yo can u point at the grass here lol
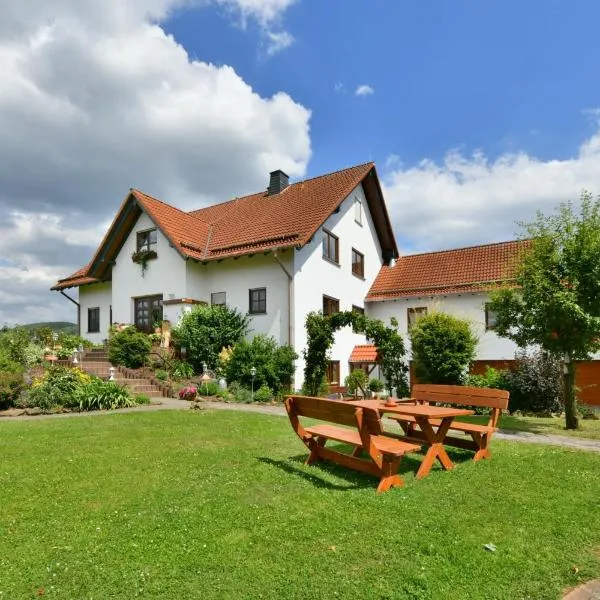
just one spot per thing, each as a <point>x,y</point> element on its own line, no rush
<point>215,504</point>
<point>588,428</point>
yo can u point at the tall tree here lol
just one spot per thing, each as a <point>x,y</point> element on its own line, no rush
<point>556,303</point>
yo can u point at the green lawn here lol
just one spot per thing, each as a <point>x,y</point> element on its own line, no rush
<point>215,504</point>
<point>551,425</point>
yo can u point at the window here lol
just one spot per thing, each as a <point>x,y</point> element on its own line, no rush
<point>358,211</point>
<point>358,263</point>
<point>93,320</point>
<point>490,317</point>
<point>333,372</point>
<point>146,240</point>
<point>330,306</point>
<point>218,299</point>
<point>331,247</point>
<point>413,314</point>
<point>358,309</point>
<point>148,312</point>
<point>258,301</point>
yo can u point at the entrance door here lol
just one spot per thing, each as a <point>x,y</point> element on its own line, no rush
<point>148,312</point>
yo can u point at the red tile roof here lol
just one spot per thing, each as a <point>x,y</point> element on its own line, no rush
<point>246,225</point>
<point>448,271</point>
<point>364,353</point>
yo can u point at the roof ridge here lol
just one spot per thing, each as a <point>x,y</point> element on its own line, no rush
<point>299,182</point>
<point>462,248</point>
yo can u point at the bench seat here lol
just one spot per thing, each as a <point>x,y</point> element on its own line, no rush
<point>455,395</point>
<point>384,444</point>
<point>374,452</point>
<point>456,425</point>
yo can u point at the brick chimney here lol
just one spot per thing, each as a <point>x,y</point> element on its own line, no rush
<point>279,181</point>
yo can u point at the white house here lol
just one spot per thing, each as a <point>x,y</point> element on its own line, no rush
<point>313,245</point>
<point>457,282</point>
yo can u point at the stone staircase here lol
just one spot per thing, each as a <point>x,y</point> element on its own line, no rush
<point>95,362</point>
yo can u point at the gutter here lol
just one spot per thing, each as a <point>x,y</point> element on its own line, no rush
<point>78,310</point>
<point>291,340</point>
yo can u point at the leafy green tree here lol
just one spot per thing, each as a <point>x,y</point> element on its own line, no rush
<point>206,330</point>
<point>556,303</point>
<point>273,364</point>
<point>443,346</point>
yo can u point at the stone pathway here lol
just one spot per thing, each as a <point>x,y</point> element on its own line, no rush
<point>588,591</point>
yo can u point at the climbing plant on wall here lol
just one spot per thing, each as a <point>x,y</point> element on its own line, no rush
<point>320,331</point>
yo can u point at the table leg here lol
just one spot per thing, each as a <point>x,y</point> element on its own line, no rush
<point>435,441</point>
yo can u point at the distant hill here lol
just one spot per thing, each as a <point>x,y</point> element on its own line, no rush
<point>58,326</point>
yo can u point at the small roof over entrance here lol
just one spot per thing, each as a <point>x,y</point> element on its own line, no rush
<point>364,354</point>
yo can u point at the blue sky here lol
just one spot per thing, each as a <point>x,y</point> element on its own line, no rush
<point>499,76</point>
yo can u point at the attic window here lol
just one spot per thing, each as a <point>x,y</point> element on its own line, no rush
<point>147,240</point>
<point>358,211</point>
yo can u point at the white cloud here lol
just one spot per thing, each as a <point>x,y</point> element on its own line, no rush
<point>339,88</point>
<point>364,90</point>
<point>96,98</point>
<point>278,41</point>
<point>267,13</point>
<point>471,199</point>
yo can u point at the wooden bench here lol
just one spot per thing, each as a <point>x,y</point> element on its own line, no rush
<point>495,400</point>
<point>363,431</point>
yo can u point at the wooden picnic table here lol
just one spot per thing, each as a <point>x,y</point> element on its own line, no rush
<point>423,415</point>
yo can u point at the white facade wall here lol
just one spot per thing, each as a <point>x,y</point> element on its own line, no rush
<point>470,306</point>
<point>96,295</point>
<point>165,275</point>
<point>314,277</point>
<point>236,277</point>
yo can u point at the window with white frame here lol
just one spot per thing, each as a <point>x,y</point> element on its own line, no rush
<point>358,216</point>
<point>218,299</point>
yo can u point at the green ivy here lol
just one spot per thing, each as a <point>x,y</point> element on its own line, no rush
<point>320,331</point>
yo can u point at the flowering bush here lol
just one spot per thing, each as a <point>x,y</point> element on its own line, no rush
<point>188,393</point>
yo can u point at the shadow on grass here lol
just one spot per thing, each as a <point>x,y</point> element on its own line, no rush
<point>356,480</point>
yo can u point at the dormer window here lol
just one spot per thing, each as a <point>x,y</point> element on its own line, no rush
<point>147,240</point>
<point>358,211</point>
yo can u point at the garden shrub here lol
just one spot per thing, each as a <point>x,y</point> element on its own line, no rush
<point>357,381</point>
<point>492,378</point>
<point>376,385</point>
<point>161,374</point>
<point>11,382</point>
<point>443,346</point>
<point>535,385</point>
<point>208,389</point>
<point>58,386</point>
<point>181,369</point>
<point>274,364</point>
<point>206,330</point>
<point>142,399</point>
<point>263,394</point>
<point>102,395</point>
<point>129,348</point>
<point>69,344</point>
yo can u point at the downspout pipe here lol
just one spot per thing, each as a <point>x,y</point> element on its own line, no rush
<point>291,340</point>
<point>78,309</point>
